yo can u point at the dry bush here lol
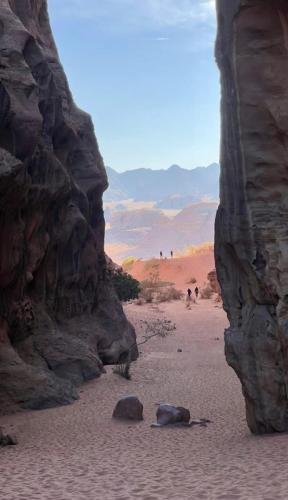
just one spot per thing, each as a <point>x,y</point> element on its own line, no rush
<point>140,301</point>
<point>123,370</point>
<point>155,328</point>
<point>147,294</point>
<point>151,329</point>
<point>206,292</point>
<point>168,294</point>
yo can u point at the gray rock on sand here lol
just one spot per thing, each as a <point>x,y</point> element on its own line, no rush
<point>168,414</point>
<point>129,408</point>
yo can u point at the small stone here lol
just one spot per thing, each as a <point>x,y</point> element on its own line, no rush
<point>179,350</point>
<point>129,408</point>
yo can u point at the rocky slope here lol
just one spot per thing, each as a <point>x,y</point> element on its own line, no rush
<point>251,226</point>
<point>59,318</point>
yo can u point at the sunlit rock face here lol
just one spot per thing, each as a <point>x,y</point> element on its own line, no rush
<point>59,318</point>
<point>251,226</point>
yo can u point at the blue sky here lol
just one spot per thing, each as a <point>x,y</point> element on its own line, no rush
<point>145,71</point>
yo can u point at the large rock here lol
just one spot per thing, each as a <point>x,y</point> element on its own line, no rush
<point>128,408</point>
<point>168,415</point>
<point>59,317</point>
<point>251,225</point>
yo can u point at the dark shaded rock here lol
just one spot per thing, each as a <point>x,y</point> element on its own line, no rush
<point>251,226</point>
<point>7,439</point>
<point>169,414</point>
<point>179,350</point>
<point>129,408</point>
<point>60,319</point>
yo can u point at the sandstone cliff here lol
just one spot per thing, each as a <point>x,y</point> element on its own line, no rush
<point>251,226</point>
<point>60,320</point>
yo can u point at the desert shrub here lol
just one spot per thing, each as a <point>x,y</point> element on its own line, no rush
<point>140,301</point>
<point>206,292</point>
<point>123,370</point>
<point>128,263</point>
<point>150,329</point>
<point>127,287</point>
<point>147,294</point>
<point>168,294</point>
<point>155,328</point>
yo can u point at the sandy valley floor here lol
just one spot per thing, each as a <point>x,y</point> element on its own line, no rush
<point>79,453</point>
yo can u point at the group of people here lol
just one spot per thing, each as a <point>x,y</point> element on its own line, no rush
<point>171,254</point>
<point>189,297</point>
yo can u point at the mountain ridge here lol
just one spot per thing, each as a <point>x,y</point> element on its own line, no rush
<point>161,186</point>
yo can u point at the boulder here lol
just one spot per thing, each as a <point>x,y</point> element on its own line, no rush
<point>168,414</point>
<point>128,408</point>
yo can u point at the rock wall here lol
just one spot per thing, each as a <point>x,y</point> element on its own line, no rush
<point>60,320</point>
<point>251,225</point>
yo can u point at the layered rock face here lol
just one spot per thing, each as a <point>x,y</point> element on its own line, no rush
<point>60,320</point>
<point>251,226</point>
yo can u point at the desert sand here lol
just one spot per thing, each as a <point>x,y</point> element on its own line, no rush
<point>179,270</point>
<point>79,453</point>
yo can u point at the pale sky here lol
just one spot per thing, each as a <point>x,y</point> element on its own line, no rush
<point>145,71</point>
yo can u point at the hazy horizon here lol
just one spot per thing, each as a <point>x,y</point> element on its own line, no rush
<point>151,83</point>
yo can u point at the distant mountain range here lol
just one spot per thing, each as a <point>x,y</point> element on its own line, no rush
<point>174,188</point>
<point>151,210</point>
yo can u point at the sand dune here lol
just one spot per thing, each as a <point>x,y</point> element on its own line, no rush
<point>178,270</point>
<point>79,453</point>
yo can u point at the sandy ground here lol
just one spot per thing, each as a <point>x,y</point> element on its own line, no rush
<point>78,452</point>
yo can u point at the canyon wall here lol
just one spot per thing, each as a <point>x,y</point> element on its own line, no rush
<point>251,225</point>
<point>60,320</point>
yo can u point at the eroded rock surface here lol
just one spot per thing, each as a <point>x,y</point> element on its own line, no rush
<point>60,320</point>
<point>251,226</point>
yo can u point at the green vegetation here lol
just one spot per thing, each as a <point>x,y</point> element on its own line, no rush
<point>127,288</point>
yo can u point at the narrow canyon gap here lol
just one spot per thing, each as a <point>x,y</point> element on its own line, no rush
<point>251,244</point>
<point>60,320</point>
